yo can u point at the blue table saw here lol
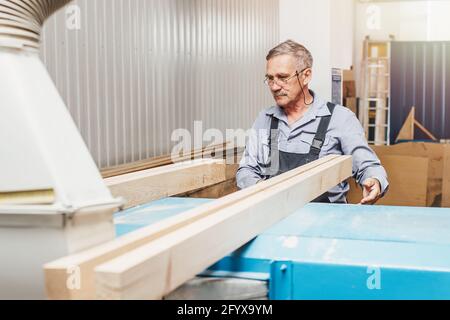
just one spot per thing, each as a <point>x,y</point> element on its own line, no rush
<point>327,251</point>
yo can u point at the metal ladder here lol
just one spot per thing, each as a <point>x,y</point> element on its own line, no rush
<point>375,98</point>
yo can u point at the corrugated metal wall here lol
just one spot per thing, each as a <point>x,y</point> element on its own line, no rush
<point>420,77</point>
<point>138,69</point>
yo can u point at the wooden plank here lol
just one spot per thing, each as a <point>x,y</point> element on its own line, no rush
<point>446,178</point>
<point>58,272</point>
<point>407,182</point>
<point>221,189</point>
<point>407,130</point>
<point>152,184</point>
<point>218,190</point>
<point>215,151</point>
<point>155,269</point>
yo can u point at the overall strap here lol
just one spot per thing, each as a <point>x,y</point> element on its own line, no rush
<point>319,138</point>
<point>273,135</point>
<point>273,165</point>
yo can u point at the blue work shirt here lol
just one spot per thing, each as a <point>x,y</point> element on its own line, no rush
<point>345,136</point>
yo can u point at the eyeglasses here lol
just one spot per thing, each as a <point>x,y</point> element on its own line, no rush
<point>282,81</point>
<point>279,81</point>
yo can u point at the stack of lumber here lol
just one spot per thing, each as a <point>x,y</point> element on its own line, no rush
<point>215,151</point>
<point>153,261</point>
<point>418,173</point>
<point>216,181</point>
<point>144,186</point>
<point>218,190</point>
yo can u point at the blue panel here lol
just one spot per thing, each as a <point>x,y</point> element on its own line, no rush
<point>281,280</point>
<point>343,251</point>
<point>354,252</point>
<point>325,251</point>
<point>236,263</point>
<point>378,223</point>
<point>313,281</point>
<point>141,216</point>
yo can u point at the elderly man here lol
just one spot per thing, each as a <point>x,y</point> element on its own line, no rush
<point>302,128</point>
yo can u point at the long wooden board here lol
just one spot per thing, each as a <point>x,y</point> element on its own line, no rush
<point>218,190</point>
<point>144,186</point>
<point>57,273</point>
<point>214,151</point>
<point>155,269</point>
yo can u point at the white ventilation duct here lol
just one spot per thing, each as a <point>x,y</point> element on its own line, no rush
<point>53,200</point>
<point>21,21</point>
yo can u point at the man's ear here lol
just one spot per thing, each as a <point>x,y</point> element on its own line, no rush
<point>307,76</point>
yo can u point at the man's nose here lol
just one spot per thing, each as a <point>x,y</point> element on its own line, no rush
<point>275,87</point>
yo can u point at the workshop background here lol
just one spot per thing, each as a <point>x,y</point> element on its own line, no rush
<point>151,67</point>
<point>89,184</point>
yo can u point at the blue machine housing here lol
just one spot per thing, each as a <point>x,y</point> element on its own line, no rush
<point>327,251</point>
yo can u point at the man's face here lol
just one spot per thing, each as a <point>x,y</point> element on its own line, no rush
<point>284,67</point>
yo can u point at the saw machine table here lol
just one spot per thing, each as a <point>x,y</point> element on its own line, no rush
<point>324,251</point>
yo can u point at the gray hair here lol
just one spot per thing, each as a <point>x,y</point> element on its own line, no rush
<point>292,48</point>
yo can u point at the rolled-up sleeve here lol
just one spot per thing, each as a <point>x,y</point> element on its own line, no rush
<point>365,162</point>
<point>249,172</point>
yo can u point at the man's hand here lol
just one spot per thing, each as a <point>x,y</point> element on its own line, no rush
<point>371,191</point>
